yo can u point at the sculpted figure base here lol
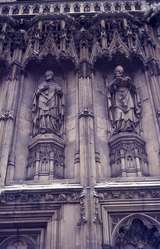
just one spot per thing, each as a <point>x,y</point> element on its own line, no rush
<point>46,149</point>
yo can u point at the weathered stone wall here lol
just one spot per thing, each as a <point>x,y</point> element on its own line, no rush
<point>106,192</point>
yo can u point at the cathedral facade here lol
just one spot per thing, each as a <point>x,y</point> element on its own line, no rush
<point>79,124</point>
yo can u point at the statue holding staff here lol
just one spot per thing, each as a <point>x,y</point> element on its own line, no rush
<point>48,107</point>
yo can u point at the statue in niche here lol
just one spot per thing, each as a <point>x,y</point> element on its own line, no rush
<point>48,107</point>
<point>124,103</point>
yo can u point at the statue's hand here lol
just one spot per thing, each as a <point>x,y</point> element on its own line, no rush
<point>59,91</point>
<point>42,88</point>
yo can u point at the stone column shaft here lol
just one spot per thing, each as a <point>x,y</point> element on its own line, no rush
<point>87,160</point>
<point>154,91</point>
<point>11,108</point>
<point>77,143</point>
<point>17,102</point>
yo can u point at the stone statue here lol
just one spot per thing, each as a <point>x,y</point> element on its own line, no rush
<point>123,103</point>
<point>48,107</point>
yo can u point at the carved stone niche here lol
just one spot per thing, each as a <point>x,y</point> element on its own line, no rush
<point>128,155</point>
<point>46,157</point>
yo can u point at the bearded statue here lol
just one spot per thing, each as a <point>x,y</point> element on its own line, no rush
<point>123,103</point>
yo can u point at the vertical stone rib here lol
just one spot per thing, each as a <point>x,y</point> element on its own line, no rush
<point>11,159</point>
<point>87,161</point>
<point>77,142</point>
<point>11,108</point>
<point>154,102</point>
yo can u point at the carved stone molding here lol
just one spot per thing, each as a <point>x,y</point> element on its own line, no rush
<point>24,229</point>
<point>51,196</point>
<point>129,194</point>
<point>77,39</point>
<point>13,9</point>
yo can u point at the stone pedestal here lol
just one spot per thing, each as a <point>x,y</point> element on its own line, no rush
<point>128,155</point>
<point>46,157</point>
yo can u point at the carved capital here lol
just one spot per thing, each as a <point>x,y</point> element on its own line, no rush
<point>7,115</point>
<point>86,114</point>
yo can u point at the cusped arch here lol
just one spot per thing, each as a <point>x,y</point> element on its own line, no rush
<point>41,64</point>
<point>20,241</point>
<point>117,53</point>
<point>35,63</point>
<point>50,49</point>
<point>105,63</point>
<point>148,221</point>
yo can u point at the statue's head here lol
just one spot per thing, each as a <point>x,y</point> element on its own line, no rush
<point>119,71</point>
<point>49,75</point>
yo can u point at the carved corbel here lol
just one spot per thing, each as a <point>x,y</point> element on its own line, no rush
<point>153,66</point>
<point>86,114</point>
<point>8,115</point>
<point>83,218</point>
<point>97,218</point>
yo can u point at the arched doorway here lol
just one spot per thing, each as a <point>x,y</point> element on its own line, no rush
<point>137,232</point>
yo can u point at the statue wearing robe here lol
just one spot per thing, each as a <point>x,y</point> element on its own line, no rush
<point>48,107</point>
<point>123,103</point>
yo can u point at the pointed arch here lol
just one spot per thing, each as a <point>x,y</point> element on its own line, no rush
<point>26,241</point>
<point>128,222</point>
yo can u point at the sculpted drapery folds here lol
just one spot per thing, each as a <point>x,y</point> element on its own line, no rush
<point>124,103</point>
<point>48,107</point>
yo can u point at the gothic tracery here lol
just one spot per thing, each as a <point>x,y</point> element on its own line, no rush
<point>79,124</point>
